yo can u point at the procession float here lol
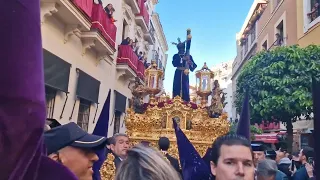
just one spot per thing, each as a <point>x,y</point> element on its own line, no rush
<point>202,122</point>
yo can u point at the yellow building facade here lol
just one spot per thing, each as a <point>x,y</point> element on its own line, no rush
<point>308,22</point>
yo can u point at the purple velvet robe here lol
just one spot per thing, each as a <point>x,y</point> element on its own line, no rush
<point>22,97</point>
<point>181,81</point>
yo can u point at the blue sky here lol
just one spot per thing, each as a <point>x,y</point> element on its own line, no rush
<point>214,24</point>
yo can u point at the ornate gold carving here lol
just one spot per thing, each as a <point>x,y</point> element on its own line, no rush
<point>156,120</point>
<point>108,168</point>
<point>149,125</point>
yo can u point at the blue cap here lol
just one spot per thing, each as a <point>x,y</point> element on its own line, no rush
<point>71,135</point>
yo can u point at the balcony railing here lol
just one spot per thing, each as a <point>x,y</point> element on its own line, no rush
<point>128,57</point>
<point>102,22</point>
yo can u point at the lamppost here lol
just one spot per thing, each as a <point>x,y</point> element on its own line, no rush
<point>204,77</point>
<point>153,78</point>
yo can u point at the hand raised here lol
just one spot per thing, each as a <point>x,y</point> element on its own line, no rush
<point>309,169</point>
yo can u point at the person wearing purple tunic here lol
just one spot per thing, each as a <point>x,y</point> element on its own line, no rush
<point>22,97</point>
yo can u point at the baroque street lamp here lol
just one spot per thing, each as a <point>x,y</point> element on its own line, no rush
<point>153,77</point>
<point>204,77</point>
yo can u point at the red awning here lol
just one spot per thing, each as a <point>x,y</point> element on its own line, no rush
<point>270,138</point>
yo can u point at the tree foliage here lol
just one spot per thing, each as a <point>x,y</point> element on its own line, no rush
<point>253,130</point>
<point>279,83</point>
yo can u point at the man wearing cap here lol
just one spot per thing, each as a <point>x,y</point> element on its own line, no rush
<point>74,148</point>
<point>260,153</point>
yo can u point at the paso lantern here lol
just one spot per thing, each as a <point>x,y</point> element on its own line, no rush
<point>154,77</point>
<point>204,78</point>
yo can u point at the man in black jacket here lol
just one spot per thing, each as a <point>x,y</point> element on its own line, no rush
<point>164,145</point>
<point>306,158</point>
<point>119,146</point>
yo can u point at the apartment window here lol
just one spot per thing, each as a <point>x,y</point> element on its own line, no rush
<point>56,78</point>
<point>311,10</point>
<point>265,45</point>
<point>84,114</point>
<point>120,108</point>
<point>160,65</point>
<point>117,121</point>
<point>279,34</point>
<point>253,33</point>
<point>245,48</point>
<point>276,3</point>
<point>315,10</point>
<point>50,101</point>
<point>241,53</point>
<point>125,29</point>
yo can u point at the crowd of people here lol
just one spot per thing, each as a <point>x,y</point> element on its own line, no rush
<point>135,48</point>
<point>231,157</point>
<point>67,152</point>
<point>283,165</point>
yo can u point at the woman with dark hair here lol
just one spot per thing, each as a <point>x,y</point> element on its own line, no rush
<point>110,10</point>
<point>126,41</point>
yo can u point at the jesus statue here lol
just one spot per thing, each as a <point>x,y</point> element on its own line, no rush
<point>181,60</point>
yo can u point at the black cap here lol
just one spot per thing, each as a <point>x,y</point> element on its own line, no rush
<point>271,154</point>
<point>295,154</point>
<point>52,122</point>
<point>258,147</point>
<point>71,135</point>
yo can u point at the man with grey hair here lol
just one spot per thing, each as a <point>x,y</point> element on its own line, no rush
<point>119,145</point>
<point>267,169</point>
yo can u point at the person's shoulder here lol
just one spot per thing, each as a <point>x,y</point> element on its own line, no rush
<point>172,158</point>
<point>51,170</point>
<point>281,176</point>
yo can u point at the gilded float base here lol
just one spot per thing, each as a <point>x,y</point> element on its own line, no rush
<point>157,122</point>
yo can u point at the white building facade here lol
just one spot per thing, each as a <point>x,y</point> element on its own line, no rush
<point>246,45</point>
<point>84,63</point>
